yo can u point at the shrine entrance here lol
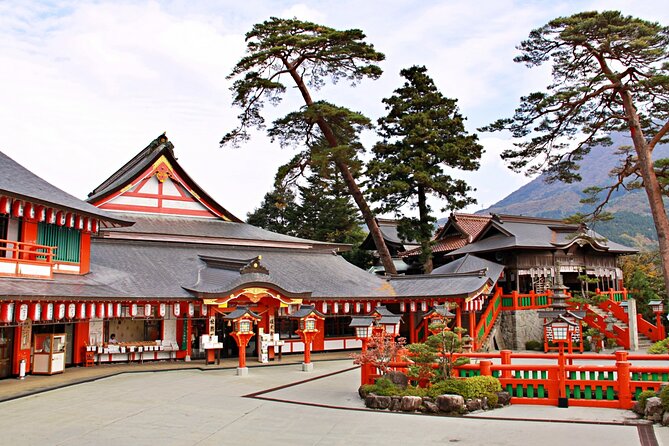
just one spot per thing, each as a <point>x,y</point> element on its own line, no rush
<point>6,351</point>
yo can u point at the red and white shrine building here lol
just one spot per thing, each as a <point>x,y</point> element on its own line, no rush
<point>153,259</point>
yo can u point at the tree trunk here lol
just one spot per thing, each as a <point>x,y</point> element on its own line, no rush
<point>425,235</point>
<point>353,188</point>
<point>650,183</point>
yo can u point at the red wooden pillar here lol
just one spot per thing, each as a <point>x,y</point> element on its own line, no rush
<point>19,353</point>
<point>458,318</point>
<point>624,391</point>
<point>472,327</point>
<point>80,335</point>
<point>412,327</point>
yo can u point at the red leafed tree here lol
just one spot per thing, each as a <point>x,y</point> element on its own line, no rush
<point>381,350</point>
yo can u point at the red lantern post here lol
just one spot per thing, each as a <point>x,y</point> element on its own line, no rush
<point>243,320</point>
<point>307,316</point>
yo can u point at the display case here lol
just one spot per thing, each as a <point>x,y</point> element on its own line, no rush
<point>49,353</point>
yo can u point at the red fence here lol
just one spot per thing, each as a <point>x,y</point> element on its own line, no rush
<point>615,385</point>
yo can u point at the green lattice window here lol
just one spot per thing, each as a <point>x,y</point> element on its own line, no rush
<point>67,240</point>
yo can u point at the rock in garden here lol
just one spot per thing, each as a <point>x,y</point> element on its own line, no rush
<point>503,398</point>
<point>377,401</point>
<point>653,409</point>
<point>450,403</point>
<point>362,392</point>
<point>411,403</point>
<point>474,404</point>
<point>395,403</point>
<point>665,419</point>
<point>430,406</point>
<point>398,378</point>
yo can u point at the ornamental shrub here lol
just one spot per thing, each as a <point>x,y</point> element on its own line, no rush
<point>643,396</point>
<point>660,347</point>
<point>480,386</point>
<point>493,399</point>
<point>664,396</point>
<point>385,387</point>
<point>448,386</point>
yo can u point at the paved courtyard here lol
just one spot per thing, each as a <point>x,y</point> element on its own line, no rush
<point>216,407</point>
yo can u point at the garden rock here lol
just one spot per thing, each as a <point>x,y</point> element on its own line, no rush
<point>395,403</point>
<point>637,408</point>
<point>430,407</point>
<point>665,419</point>
<point>450,403</point>
<point>362,392</point>
<point>474,404</point>
<point>398,378</point>
<point>503,398</point>
<point>654,409</point>
<point>411,403</point>
<point>377,401</point>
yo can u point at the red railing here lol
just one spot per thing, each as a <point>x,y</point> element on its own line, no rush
<point>614,385</point>
<point>22,253</point>
<point>487,320</point>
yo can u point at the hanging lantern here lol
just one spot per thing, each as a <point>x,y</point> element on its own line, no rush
<point>402,307</point>
<point>191,309</point>
<point>41,214</point>
<point>69,220</point>
<point>7,312</point>
<point>17,209</point>
<point>60,218</point>
<point>29,211</point>
<point>94,225</point>
<point>71,311</point>
<point>118,309</point>
<point>22,313</point>
<point>81,310</point>
<point>205,309</point>
<point>79,223</point>
<point>61,309</point>
<point>101,311</point>
<point>162,309</point>
<point>335,307</point>
<point>91,310</point>
<point>412,306</point>
<point>325,307</point>
<point>176,309</point>
<point>423,306</point>
<point>35,312</point>
<point>51,216</point>
<point>133,310</point>
<point>147,310</point>
<point>368,307</point>
<point>357,307</point>
<point>5,205</point>
<point>110,309</point>
<point>347,307</point>
<point>48,312</point>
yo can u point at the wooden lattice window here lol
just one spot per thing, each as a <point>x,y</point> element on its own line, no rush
<point>67,241</point>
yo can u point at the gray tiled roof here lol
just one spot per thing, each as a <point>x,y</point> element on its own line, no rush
<point>207,228</point>
<point>17,181</point>
<point>470,263</point>
<point>535,233</point>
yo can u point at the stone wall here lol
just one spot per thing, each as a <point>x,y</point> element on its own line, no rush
<point>518,327</point>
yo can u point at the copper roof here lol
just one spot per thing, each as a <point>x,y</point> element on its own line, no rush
<point>458,231</point>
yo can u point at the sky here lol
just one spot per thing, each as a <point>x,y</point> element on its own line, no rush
<point>86,85</point>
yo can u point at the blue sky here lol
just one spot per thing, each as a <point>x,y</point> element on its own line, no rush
<point>86,85</point>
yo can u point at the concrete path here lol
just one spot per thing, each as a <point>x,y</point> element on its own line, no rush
<point>192,407</point>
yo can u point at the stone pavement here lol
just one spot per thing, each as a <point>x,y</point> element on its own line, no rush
<point>277,405</point>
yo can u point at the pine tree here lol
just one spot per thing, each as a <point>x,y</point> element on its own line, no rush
<point>423,133</point>
<point>278,212</point>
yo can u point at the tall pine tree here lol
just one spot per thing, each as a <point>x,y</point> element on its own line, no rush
<point>423,133</point>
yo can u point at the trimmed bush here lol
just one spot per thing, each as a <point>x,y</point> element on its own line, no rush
<point>492,400</point>
<point>480,386</point>
<point>643,397</point>
<point>660,347</point>
<point>448,386</point>
<point>664,397</point>
<point>385,387</point>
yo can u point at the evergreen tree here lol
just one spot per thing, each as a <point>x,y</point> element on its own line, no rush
<point>308,55</point>
<point>610,74</point>
<point>423,133</point>
<point>278,212</point>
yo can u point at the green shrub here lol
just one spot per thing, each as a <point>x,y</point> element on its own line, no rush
<point>448,386</point>
<point>664,396</point>
<point>493,399</point>
<point>643,396</point>
<point>479,386</point>
<point>385,387</point>
<point>534,345</point>
<point>660,347</point>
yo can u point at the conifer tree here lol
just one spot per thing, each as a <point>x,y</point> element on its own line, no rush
<point>423,133</point>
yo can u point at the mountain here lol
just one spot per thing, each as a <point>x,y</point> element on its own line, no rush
<point>632,224</point>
